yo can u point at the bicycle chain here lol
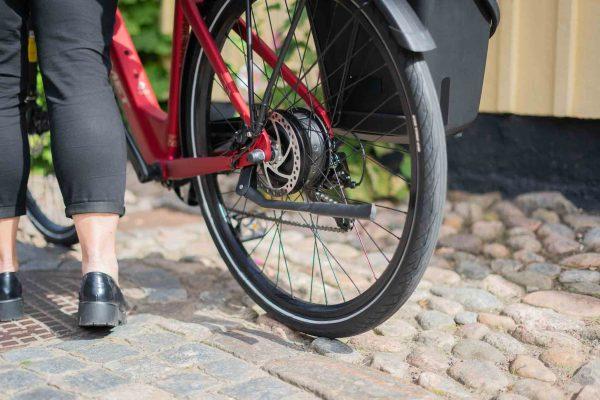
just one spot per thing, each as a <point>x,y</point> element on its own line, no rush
<point>285,221</point>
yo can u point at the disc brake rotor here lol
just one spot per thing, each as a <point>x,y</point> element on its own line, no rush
<point>301,152</point>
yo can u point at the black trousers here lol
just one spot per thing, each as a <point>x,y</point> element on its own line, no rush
<point>87,133</point>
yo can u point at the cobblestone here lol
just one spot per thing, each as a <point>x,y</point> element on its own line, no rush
<point>565,303</point>
<point>191,384</point>
<point>13,380</point>
<point>465,317</point>
<point>499,322</point>
<point>471,299</point>
<point>472,270</point>
<point>578,276</point>
<point>335,349</point>
<point>261,388</point>
<point>537,390</point>
<point>28,354</point>
<point>527,321</point>
<point>58,365</point>
<point>471,349</point>
<point>435,320</point>
<point>531,280</point>
<point>428,359</point>
<point>44,393</point>
<point>105,352</point>
<point>93,381</point>
<point>192,354</point>
<point>505,343</point>
<point>482,376</point>
<point>529,367</point>
<point>443,386</point>
<point>589,374</point>
<point>548,269</point>
<point>396,328</point>
<point>143,369</point>
<point>565,359</point>
<point>392,363</point>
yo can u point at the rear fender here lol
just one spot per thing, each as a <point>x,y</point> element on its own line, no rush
<point>406,25</point>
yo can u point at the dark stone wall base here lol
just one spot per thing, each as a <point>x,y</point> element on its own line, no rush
<point>515,154</point>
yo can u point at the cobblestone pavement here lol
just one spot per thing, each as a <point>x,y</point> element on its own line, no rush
<point>509,309</point>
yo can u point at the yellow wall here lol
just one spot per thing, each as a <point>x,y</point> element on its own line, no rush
<point>545,59</point>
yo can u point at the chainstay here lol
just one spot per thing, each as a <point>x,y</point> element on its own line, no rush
<point>285,221</point>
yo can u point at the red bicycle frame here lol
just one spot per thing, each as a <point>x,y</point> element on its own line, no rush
<point>156,132</point>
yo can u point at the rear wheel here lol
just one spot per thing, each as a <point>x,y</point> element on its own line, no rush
<point>322,275</point>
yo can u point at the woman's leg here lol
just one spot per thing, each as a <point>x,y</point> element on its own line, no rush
<point>14,153</point>
<point>88,137</point>
<point>8,245</point>
<point>96,234</point>
<point>88,140</point>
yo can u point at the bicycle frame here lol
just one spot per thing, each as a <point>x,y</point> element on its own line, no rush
<point>156,135</point>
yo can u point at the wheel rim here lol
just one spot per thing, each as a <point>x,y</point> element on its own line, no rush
<point>256,238</point>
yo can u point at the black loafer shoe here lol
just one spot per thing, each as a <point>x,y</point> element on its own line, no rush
<point>11,300</point>
<point>101,302</point>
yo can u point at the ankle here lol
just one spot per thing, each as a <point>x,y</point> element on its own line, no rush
<point>8,267</point>
<point>110,269</point>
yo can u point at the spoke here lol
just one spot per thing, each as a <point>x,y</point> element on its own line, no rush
<point>314,229</point>
<point>364,251</point>
<point>261,239</point>
<point>274,42</point>
<point>326,250</point>
<point>332,73</point>
<point>242,81</point>
<point>270,247</point>
<point>277,70</point>
<point>278,257</point>
<point>371,143</point>
<point>286,264</point>
<point>377,205</point>
<point>263,60</point>
<point>271,26</point>
<point>309,69</point>
<point>301,57</point>
<point>322,276</point>
<point>312,270</point>
<point>355,83</point>
<point>381,165</point>
<point>233,207</point>
<point>379,146</point>
<point>335,277</point>
<point>347,64</point>
<point>373,240</point>
<point>386,229</point>
<point>220,112</point>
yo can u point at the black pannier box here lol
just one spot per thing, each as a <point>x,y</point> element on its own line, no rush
<point>461,30</point>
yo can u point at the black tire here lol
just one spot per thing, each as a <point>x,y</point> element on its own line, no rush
<point>428,191</point>
<point>51,231</point>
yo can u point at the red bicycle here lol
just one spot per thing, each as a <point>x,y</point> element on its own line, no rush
<point>311,136</point>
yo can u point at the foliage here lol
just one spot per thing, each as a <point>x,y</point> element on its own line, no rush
<point>39,145</point>
<point>142,18</point>
<point>383,172</point>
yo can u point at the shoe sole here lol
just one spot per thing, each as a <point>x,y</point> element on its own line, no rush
<point>11,310</point>
<point>100,314</point>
